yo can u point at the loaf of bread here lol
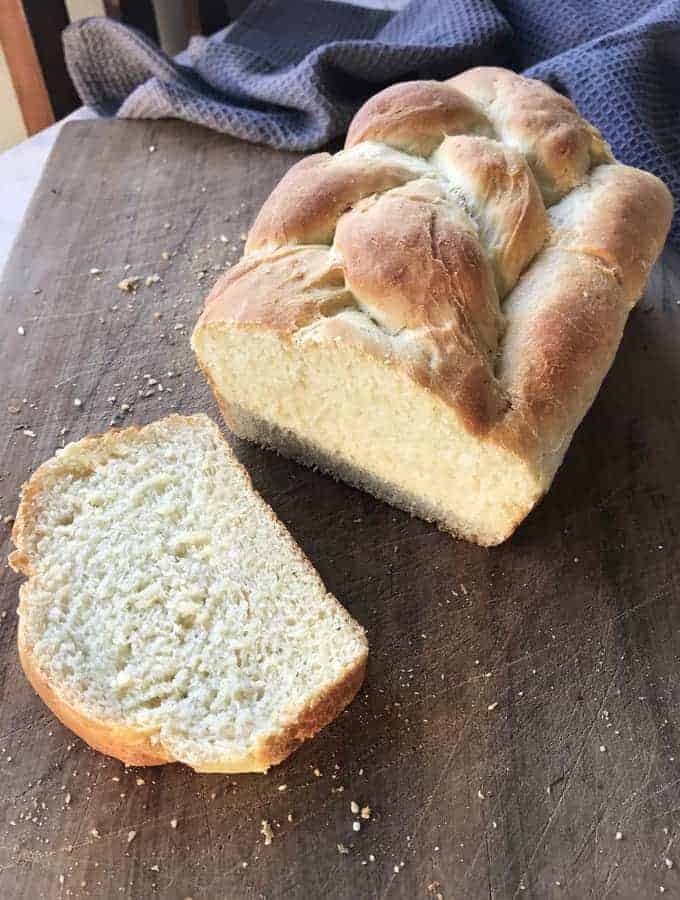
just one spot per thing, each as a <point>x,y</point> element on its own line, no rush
<point>168,615</point>
<point>429,313</point>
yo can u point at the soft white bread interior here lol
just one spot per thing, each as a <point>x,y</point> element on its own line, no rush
<point>334,406</point>
<point>429,313</point>
<point>168,615</point>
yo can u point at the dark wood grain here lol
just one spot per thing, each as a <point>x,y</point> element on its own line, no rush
<point>140,14</point>
<point>521,704</point>
<point>47,20</point>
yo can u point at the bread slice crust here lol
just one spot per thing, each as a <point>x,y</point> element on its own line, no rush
<point>135,745</point>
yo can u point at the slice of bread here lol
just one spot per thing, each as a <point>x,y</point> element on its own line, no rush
<point>168,614</point>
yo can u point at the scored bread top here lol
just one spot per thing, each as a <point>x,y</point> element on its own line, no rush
<point>475,232</point>
<point>168,614</point>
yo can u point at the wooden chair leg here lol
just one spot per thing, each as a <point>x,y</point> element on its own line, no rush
<point>47,19</point>
<point>24,67</point>
<point>140,14</point>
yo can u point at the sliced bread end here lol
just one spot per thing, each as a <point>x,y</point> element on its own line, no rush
<point>169,616</point>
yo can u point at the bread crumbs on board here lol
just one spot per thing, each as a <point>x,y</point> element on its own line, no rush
<point>129,285</point>
<point>266,830</point>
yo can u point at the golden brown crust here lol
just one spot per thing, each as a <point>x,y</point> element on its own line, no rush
<point>414,116</point>
<point>412,257</point>
<point>306,204</point>
<point>557,351</point>
<point>414,264</point>
<point>621,217</point>
<point>290,287</point>
<point>502,193</point>
<point>131,746</point>
<point>326,707</point>
<point>134,745</point>
<point>546,127</point>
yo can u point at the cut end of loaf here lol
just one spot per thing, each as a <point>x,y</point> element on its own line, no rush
<point>387,435</point>
<point>168,615</point>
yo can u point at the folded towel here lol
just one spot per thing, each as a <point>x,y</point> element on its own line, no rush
<point>291,73</point>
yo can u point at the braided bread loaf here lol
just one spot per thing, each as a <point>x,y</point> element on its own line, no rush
<point>429,313</point>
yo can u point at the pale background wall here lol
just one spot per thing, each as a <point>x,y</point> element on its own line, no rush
<point>11,124</point>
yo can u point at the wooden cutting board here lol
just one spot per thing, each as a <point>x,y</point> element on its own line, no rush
<point>521,705</point>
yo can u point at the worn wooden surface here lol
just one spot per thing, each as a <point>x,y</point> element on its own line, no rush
<point>521,705</point>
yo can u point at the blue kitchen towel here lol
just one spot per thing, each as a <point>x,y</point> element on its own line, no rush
<point>291,73</point>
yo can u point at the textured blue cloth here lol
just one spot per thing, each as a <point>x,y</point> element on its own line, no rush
<point>291,73</point>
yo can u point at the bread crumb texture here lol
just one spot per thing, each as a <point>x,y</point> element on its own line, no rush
<point>167,607</point>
